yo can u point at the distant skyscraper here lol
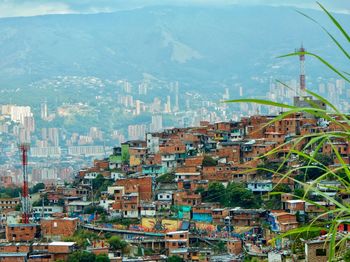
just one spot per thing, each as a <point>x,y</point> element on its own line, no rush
<point>138,107</point>
<point>29,123</point>
<point>44,133</point>
<point>168,105</point>
<point>177,106</point>
<point>44,113</point>
<point>340,85</point>
<point>53,136</point>
<point>157,123</point>
<point>18,113</point>
<point>143,89</point>
<point>95,133</point>
<point>137,131</point>
<point>227,94</point>
<point>24,135</point>
<point>127,87</point>
<point>156,105</point>
<point>321,88</point>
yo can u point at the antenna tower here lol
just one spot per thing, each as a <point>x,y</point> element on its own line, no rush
<point>25,190</point>
<point>302,51</point>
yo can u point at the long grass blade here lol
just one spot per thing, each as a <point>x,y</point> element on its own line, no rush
<point>328,33</point>
<point>335,22</point>
<point>321,60</point>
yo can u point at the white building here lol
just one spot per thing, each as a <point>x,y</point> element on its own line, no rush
<point>46,211</point>
<point>260,186</point>
<point>165,196</point>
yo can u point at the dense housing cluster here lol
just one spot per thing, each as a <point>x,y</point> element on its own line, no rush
<point>197,194</point>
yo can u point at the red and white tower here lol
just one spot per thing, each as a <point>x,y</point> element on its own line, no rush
<point>302,51</point>
<point>25,190</point>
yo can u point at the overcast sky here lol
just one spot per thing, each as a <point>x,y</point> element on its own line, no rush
<point>12,8</point>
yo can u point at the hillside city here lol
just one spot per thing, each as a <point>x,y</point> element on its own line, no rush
<point>200,193</point>
<point>69,136</point>
<point>174,131</point>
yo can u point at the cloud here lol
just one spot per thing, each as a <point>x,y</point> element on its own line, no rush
<point>13,8</point>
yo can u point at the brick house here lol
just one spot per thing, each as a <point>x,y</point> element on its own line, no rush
<point>186,198</point>
<point>141,185</point>
<point>22,232</point>
<point>219,215</point>
<point>234,246</point>
<point>36,252</point>
<point>316,250</point>
<point>282,222</point>
<point>58,228</point>
<point>176,240</point>
<point>247,217</point>
<point>13,257</point>
<point>295,206</point>
<point>9,204</point>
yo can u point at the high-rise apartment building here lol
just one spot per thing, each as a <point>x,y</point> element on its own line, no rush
<point>157,123</point>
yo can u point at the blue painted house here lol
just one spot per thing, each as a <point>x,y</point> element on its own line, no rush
<point>153,170</point>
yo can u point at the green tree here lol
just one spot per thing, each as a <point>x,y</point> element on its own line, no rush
<point>300,192</point>
<point>209,161</point>
<point>81,236</point>
<point>220,247</point>
<point>117,243</point>
<point>216,193</point>
<point>234,195</point>
<point>37,187</point>
<point>200,190</point>
<point>274,201</point>
<point>175,259</point>
<point>268,168</point>
<point>166,178</point>
<point>10,192</point>
<point>81,256</point>
<point>102,258</point>
<point>239,196</point>
<point>94,209</point>
<point>282,188</point>
<point>98,182</point>
<point>346,256</point>
<point>315,167</point>
<point>43,200</point>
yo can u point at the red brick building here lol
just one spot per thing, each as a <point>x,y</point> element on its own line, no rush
<point>22,232</point>
<point>58,228</point>
<point>141,185</point>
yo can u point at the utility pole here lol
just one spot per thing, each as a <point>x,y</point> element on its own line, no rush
<point>42,207</point>
<point>228,223</point>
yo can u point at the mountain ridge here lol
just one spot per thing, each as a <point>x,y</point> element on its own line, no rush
<point>197,45</point>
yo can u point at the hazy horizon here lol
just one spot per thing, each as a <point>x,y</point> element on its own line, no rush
<point>16,8</point>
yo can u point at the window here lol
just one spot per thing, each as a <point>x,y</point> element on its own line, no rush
<point>321,252</point>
